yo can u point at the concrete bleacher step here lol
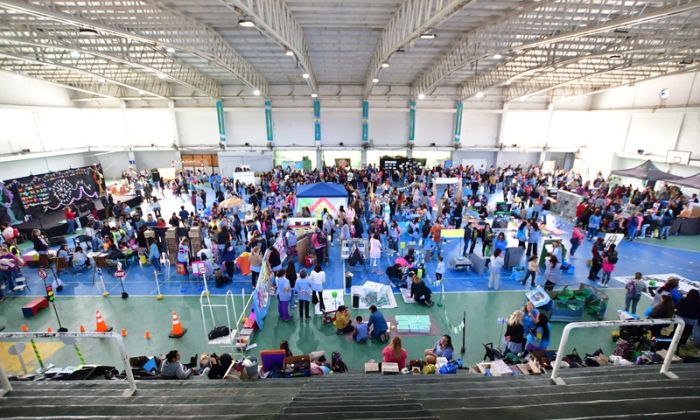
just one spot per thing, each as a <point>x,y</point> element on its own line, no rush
<point>613,392</point>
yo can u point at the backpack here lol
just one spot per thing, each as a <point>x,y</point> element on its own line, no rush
<point>337,364</point>
<point>220,331</point>
<point>631,288</point>
<point>612,257</point>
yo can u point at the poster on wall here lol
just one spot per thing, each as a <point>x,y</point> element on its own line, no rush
<point>55,190</point>
<point>342,163</point>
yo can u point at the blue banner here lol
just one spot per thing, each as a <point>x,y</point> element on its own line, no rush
<point>365,123</point>
<point>317,120</point>
<point>220,117</point>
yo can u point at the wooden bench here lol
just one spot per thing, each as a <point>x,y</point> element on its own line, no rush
<point>32,308</point>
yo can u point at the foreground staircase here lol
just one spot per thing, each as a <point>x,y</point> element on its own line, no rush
<point>593,393</point>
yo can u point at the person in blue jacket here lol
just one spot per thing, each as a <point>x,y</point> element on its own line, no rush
<point>500,243</point>
<point>538,337</point>
<point>521,235</point>
<point>377,324</point>
<point>442,348</point>
<point>594,225</point>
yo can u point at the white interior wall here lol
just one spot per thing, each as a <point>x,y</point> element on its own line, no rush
<point>19,90</point>
<point>245,126</point>
<point>480,128</point>
<point>295,126</point>
<point>434,126</point>
<point>197,126</point>
<point>155,159</point>
<point>26,167</point>
<point>689,136</point>
<point>388,127</point>
<point>258,161</point>
<point>341,126</point>
<point>525,128</point>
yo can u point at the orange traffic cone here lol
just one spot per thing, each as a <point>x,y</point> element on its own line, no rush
<point>147,336</point>
<point>101,324</point>
<point>24,328</point>
<point>82,328</point>
<point>177,331</point>
<point>123,332</point>
<point>49,330</point>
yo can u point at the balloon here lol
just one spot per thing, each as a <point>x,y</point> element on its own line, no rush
<point>334,294</point>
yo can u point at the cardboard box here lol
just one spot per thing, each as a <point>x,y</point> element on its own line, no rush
<point>371,367</point>
<point>390,368</point>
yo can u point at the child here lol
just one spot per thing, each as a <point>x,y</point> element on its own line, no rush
<point>531,270</point>
<point>609,261</point>
<point>361,331</point>
<point>284,295</point>
<point>497,263</point>
<point>633,292</point>
<point>440,270</point>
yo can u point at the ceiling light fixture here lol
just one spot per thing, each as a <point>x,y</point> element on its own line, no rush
<point>75,54</point>
<point>385,65</point>
<point>421,96</point>
<point>246,22</point>
<point>305,75</point>
<point>256,92</point>
<point>314,95</point>
<point>170,50</point>
<point>479,95</point>
<point>497,56</point>
<point>87,32</point>
<point>375,80</point>
<point>289,53</point>
<point>141,92</point>
<point>428,35</point>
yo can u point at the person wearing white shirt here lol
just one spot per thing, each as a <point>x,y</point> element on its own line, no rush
<point>317,279</point>
<point>495,266</point>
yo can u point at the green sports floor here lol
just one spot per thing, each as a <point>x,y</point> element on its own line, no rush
<point>140,314</point>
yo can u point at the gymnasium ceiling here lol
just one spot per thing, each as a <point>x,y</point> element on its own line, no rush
<point>153,48</point>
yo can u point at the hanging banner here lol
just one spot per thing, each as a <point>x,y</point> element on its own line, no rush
<point>317,120</point>
<point>458,122</point>
<point>412,121</point>
<point>220,117</point>
<point>365,118</point>
<point>268,120</point>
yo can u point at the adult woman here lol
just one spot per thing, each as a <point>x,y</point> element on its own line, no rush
<point>500,243</point>
<point>609,261</point>
<point>291,275</point>
<point>576,238</point>
<point>284,295</point>
<point>538,337</point>
<point>552,273</point>
<point>394,235</point>
<point>442,348</point>
<point>255,260</point>
<point>375,250</point>
<point>419,291</point>
<point>662,310</point>
<point>343,321</point>
<point>377,325</point>
<point>689,309</point>
<point>515,333</point>
<point>395,353</point>
<point>633,292</point>
<point>172,368</point>
<point>533,239</point>
<point>303,290</point>
<point>70,219</point>
<point>41,246</point>
<point>486,241</point>
<point>532,268</point>
<point>317,279</point>
<point>671,286</point>
<point>495,267</point>
<point>521,235</point>
<point>596,259</point>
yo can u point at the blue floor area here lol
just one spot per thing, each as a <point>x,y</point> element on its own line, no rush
<point>140,280</point>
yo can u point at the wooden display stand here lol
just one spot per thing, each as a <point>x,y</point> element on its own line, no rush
<point>171,243</point>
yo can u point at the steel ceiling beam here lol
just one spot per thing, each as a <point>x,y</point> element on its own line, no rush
<point>274,19</point>
<point>89,69</point>
<point>413,18</point>
<point>602,75</point>
<point>680,34</point>
<point>112,48</point>
<point>157,26</point>
<point>535,27</point>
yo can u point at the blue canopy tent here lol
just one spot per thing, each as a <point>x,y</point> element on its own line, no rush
<point>322,195</point>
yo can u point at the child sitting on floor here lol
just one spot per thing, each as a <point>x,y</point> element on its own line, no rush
<point>361,331</point>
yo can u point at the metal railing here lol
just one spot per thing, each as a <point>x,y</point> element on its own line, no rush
<point>680,324</point>
<point>67,337</point>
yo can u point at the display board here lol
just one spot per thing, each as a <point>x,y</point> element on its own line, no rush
<point>55,190</point>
